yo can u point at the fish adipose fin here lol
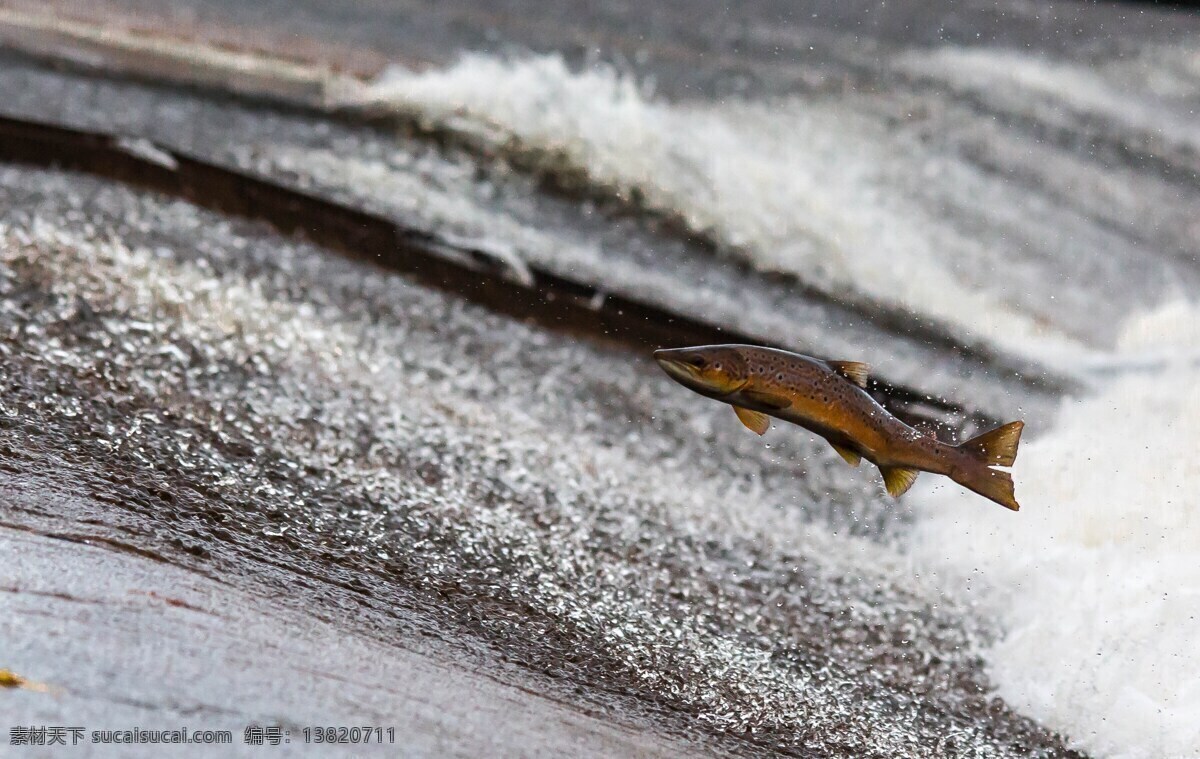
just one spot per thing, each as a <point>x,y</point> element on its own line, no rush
<point>898,480</point>
<point>851,370</point>
<point>997,447</point>
<point>850,456</point>
<point>755,421</point>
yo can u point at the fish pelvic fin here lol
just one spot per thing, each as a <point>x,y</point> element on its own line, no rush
<point>852,370</point>
<point>756,421</point>
<point>898,480</point>
<point>996,447</point>
<point>852,457</point>
<point>992,484</point>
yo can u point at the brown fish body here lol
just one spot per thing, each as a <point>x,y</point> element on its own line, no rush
<point>825,402</point>
<point>827,398</point>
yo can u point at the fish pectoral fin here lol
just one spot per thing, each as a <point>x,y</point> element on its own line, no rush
<point>755,421</point>
<point>852,458</point>
<point>770,400</point>
<point>852,370</point>
<point>898,480</point>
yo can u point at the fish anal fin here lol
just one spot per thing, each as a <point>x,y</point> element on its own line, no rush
<point>898,480</point>
<point>996,447</point>
<point>852,458</point>
<point>755,421</point>
<point>770,400</point>
<point>852,370</point>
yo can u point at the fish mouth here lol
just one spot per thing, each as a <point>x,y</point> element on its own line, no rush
<point>689,376</point>
<point>678,370</point>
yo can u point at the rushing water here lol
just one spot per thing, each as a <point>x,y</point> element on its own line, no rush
<point>951,199</point>
<point>1039,208</point>
<point>962,216</point>
<point>1097,586</point>
<point>896,197</point>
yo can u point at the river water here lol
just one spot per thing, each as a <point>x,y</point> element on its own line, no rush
<point>1007,219</point>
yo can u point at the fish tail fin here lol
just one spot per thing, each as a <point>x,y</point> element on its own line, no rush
<point>992,484</point>
<point>996,447</point>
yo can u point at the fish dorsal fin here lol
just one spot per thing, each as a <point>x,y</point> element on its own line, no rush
<point>851,370</point>
<point>850,456</point>
<point>996,447</point>
<point>898,480</point>
<point>770,400</point>
<point>755,421</point>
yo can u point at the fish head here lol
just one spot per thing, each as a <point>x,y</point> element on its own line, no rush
<point>712,370</point>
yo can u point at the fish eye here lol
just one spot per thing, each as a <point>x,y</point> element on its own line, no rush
<point>699,362</point>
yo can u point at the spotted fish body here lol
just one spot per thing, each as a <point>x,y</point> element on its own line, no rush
<point>827,398</point>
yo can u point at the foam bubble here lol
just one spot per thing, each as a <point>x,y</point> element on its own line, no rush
<point>1097,580</point>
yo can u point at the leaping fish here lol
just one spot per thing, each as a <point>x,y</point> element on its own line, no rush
<point>828,398</point>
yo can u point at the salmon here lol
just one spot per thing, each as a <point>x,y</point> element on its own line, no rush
<point>829,399</point>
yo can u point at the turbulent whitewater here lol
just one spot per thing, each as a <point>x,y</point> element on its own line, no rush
<point>899,199</point>
<point>866,196</point>
<point>1098,582</point>
<point>1017,202</point>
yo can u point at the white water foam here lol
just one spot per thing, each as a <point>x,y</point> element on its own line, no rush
<point>1097,579</point>
<point>795,186</point>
